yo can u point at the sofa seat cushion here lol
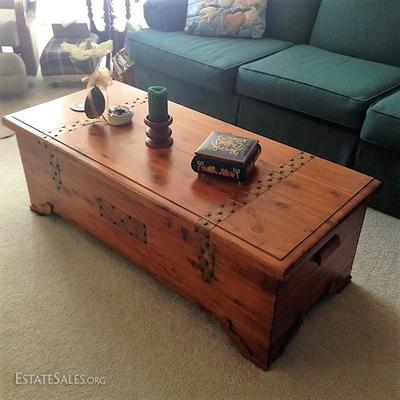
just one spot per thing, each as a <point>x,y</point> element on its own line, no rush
<point>13,79</point>
<point>382,124</point>
<point>319,83</point>
<point>207,62</point>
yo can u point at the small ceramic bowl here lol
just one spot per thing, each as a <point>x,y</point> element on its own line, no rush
<point>119,115</point>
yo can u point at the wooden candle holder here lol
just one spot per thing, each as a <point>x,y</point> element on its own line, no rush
<point>158,133</point>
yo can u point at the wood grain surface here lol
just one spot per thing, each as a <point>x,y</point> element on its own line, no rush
<point>257,255</point>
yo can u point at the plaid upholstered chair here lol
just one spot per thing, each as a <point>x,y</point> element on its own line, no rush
<point>56,65</point>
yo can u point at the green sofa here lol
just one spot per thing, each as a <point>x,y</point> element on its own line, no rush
<point>325,79</point>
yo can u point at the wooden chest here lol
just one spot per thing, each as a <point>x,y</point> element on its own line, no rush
<point>257,255</point>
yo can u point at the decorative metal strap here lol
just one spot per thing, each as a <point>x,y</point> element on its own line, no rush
<point>222,211</point>
<point>206,258</point>
<point>256,189</point>
<point>214,216</point>
<point>65,128</point>
<point>55,170</point>
<point>125,222</point>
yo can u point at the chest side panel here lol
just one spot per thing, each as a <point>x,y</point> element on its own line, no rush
<point>324,271</point>
<point>160,237</point>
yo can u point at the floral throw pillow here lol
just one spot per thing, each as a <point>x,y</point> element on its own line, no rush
<point>233,18</point>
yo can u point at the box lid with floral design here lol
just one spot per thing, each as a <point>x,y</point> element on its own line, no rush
<point>227,147</point>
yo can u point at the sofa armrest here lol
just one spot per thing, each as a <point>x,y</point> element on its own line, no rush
<point>166,15</point>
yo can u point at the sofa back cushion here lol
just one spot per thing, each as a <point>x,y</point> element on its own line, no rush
<point>368,29</point>
<point>291,20</point>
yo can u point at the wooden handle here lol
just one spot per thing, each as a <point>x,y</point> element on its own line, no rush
<point>327,250</point>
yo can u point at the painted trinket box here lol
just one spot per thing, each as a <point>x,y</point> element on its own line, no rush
<point>223,154</point>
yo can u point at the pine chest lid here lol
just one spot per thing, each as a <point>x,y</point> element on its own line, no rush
<point>227,147</point>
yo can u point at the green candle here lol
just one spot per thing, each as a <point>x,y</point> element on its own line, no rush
<point>158,103</point>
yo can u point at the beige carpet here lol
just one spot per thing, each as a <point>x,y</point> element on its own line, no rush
<point>71,305</point>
